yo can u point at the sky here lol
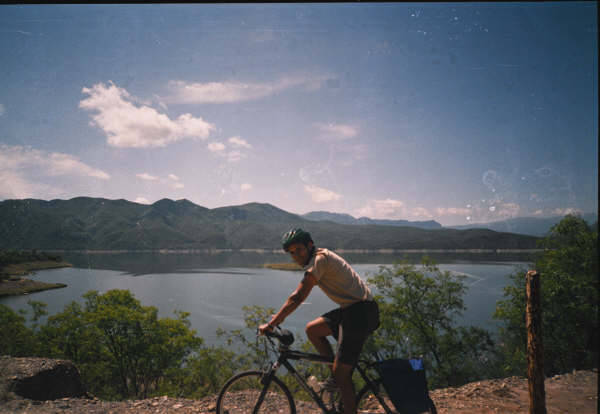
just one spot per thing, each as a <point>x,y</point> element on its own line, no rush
<point>455,112</point>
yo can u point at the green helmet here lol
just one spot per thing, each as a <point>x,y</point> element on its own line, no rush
<point>295,236</point>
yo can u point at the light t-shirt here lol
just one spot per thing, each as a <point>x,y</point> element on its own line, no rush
<point>337,279</point>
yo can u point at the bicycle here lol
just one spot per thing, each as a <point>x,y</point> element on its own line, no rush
<point>261,391</point>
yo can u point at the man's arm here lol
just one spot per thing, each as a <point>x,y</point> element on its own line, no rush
<point>292,302</point>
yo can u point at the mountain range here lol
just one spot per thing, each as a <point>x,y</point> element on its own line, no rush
<point>533,226</point>
<point>348,219</point>
<point>98,223</point>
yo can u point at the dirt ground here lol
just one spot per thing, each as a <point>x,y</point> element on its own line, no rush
<point>575,392</point>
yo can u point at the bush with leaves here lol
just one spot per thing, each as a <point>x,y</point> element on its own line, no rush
<point>253,352</point>
<point>17,339</point>
<point>418,311</point>
<point>121,347</point>
<point>569,302</point>
<point>203,373</point>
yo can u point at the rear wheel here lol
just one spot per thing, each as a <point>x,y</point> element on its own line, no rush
<point>246,393</point>
<point>367,402</point>
<point>432,409</point>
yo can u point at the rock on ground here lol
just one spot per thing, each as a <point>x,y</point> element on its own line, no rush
<point>40,378</point>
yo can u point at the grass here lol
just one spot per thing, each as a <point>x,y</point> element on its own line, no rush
<point>282,266</point>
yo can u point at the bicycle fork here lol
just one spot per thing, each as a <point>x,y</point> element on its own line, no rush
<point>265,380</point>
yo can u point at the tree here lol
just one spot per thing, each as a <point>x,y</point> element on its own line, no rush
<point>17,339</point>
<point>569,295</point>
<point>141,346</point>
<point>203,374</point>
<point>70,335</point>
<point>255,348</point>
<point>121,347</point>
<point>418,311</point>
<point>253,351</point>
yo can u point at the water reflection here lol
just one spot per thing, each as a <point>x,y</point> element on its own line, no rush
<point>144,263</point>
<point>214,295</point>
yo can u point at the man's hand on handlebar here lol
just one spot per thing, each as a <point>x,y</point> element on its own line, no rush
<point>264,328</point>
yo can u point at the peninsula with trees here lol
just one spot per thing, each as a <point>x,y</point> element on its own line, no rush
<point>14,265</point>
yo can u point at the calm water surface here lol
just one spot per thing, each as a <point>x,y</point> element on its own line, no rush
<point>215,295</point>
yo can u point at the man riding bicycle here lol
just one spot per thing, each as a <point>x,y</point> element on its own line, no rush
<point>350,324</point>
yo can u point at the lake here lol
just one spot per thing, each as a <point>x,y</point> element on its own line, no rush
<point>213,288</point>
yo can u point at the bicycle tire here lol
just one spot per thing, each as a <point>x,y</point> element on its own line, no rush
<point>432,409</point>
<point>367,403</point>
<point>241,392</point>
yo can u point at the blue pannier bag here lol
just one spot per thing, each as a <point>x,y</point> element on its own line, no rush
<point>405,384</point>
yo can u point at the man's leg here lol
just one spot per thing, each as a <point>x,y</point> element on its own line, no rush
<point>317,332</point>
<point>343,377</point>
<point>358,321</point>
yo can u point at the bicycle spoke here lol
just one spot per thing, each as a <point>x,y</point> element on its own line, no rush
<point>245,394</point>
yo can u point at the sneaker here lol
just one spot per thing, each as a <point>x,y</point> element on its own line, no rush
<point>329,385</point>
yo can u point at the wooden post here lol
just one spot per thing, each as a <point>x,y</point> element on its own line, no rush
<point>535,348</point>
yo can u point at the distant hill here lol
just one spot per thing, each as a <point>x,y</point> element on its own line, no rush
<point>98,223</point>
<point>533,226</point>
<point>348,219</point>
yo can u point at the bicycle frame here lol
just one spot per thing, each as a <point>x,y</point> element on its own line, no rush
<point>285,355</point>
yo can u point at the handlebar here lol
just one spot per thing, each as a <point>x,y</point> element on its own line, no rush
<point>285,337</point>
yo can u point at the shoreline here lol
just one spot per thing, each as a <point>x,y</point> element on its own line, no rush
<point>280,251</point>
<point>23,286</point>
<point>15,284</point>
<point>282,266</point>
<point>27,268</point>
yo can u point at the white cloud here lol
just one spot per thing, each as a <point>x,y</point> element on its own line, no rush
<point>565,211</point>
<point>235,156</point>
<point>21,167</point>
<point>142,200</point>
<point>421,213</point>
<point>127,124</point>
<point>337,131</point>
<point>508,210</point>
<point>216,147</point>
<point>172,180</point>
<point>64,164</point>
<point>231,156</point>
<point>52,163</point>
<point>321,195</point>
<point>239,142</point>
<point>382,209</point>
<point>147,177</point>
<point>16,186</point>
<point>453,211</point>
<point>229,92</point>
<point>483,212</point>
<point>246,187</point>
<point>559,211</point>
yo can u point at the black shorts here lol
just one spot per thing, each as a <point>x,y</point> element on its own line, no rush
<point>351,326</point>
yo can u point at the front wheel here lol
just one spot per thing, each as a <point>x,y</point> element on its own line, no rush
<point>246,393</point>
